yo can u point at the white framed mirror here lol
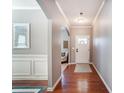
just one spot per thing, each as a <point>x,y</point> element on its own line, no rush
<point>21,35</point>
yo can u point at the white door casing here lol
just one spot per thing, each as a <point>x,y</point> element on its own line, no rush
<point>82,43</point>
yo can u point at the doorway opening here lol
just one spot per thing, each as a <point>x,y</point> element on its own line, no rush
<point>64,48</point>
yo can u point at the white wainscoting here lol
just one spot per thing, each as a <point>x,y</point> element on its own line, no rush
<point>30,67</point>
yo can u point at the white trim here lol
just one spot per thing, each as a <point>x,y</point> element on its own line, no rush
<point>15,61</point>
<point>62,12</point>
<point>81,26</point>
<point>32,74</point>
<point>50,89</point>
<point>49,53</point>
<point>110,91</point>
<point>71,63</point>
<point>26,8</point>
<point>43,77</point>
<point>98,12</point>
<point>82,63</point>
<point>43,64</point>
<point>29,55</point>
<point>64,68</point>
<point>90,63</point>
<point>54,86</point>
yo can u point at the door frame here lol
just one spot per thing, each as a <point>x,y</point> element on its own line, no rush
<point>76,48</point>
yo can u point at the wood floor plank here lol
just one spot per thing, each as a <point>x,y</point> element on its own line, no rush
<point>29,83</point>
<point>80,82</point>
<point>73,82</point>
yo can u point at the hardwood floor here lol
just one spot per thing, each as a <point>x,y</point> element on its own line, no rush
<point>80,82</point>
<point>29,83</point>
<point>72,82</point>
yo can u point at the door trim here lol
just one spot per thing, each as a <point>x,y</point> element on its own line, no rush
<point>85,61</point>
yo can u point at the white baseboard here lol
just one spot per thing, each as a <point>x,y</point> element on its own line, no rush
<point>110,91</point>
<point>79,63</point>
<point>71,63</point>
<point>57,82</point>
<point>90,63</point>
<point>50,89</point>
<point>64,68</point>
<point>54,86</point>
<point>45,77</point>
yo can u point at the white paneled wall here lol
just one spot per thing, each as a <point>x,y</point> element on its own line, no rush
<point>30,67</point>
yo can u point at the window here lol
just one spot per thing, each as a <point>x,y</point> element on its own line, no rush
<point>83,41</point>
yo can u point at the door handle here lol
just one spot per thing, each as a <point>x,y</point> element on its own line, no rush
<point>77,50</point>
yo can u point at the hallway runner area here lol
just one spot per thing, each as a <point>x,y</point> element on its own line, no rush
<point>81,68</point>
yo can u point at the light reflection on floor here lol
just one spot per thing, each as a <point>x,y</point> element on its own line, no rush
<point>82,85</point>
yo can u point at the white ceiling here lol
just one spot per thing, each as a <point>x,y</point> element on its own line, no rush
<point>25,4</point>
<point>72,9</point>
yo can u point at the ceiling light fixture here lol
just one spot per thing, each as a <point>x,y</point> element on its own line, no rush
<point>80,19</point>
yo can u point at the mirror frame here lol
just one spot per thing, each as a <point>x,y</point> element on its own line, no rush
<point>27,31</point>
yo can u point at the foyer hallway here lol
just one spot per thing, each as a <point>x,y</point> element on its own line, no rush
<point>80,82</point>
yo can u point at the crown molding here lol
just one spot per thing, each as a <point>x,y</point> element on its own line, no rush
<point>25,8</point>
<point>88,26</point>
<point>62,12</point>
<point>98,12</point>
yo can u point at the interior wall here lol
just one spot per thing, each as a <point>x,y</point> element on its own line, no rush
<point>79,31</point>
<point>58,21</point>
<point>102,43</point>
<point>56,52</point>
<point>38,30</point>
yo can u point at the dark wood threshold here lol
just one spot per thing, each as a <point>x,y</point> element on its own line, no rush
<point>29,83</point>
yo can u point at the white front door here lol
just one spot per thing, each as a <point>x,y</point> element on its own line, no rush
<point>82,49</point>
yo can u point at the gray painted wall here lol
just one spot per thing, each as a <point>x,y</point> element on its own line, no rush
<point>56,52</point>
<point>57,22</point>
<point>39,30</point>
<point>102,43</point>
<point>78,31</point>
